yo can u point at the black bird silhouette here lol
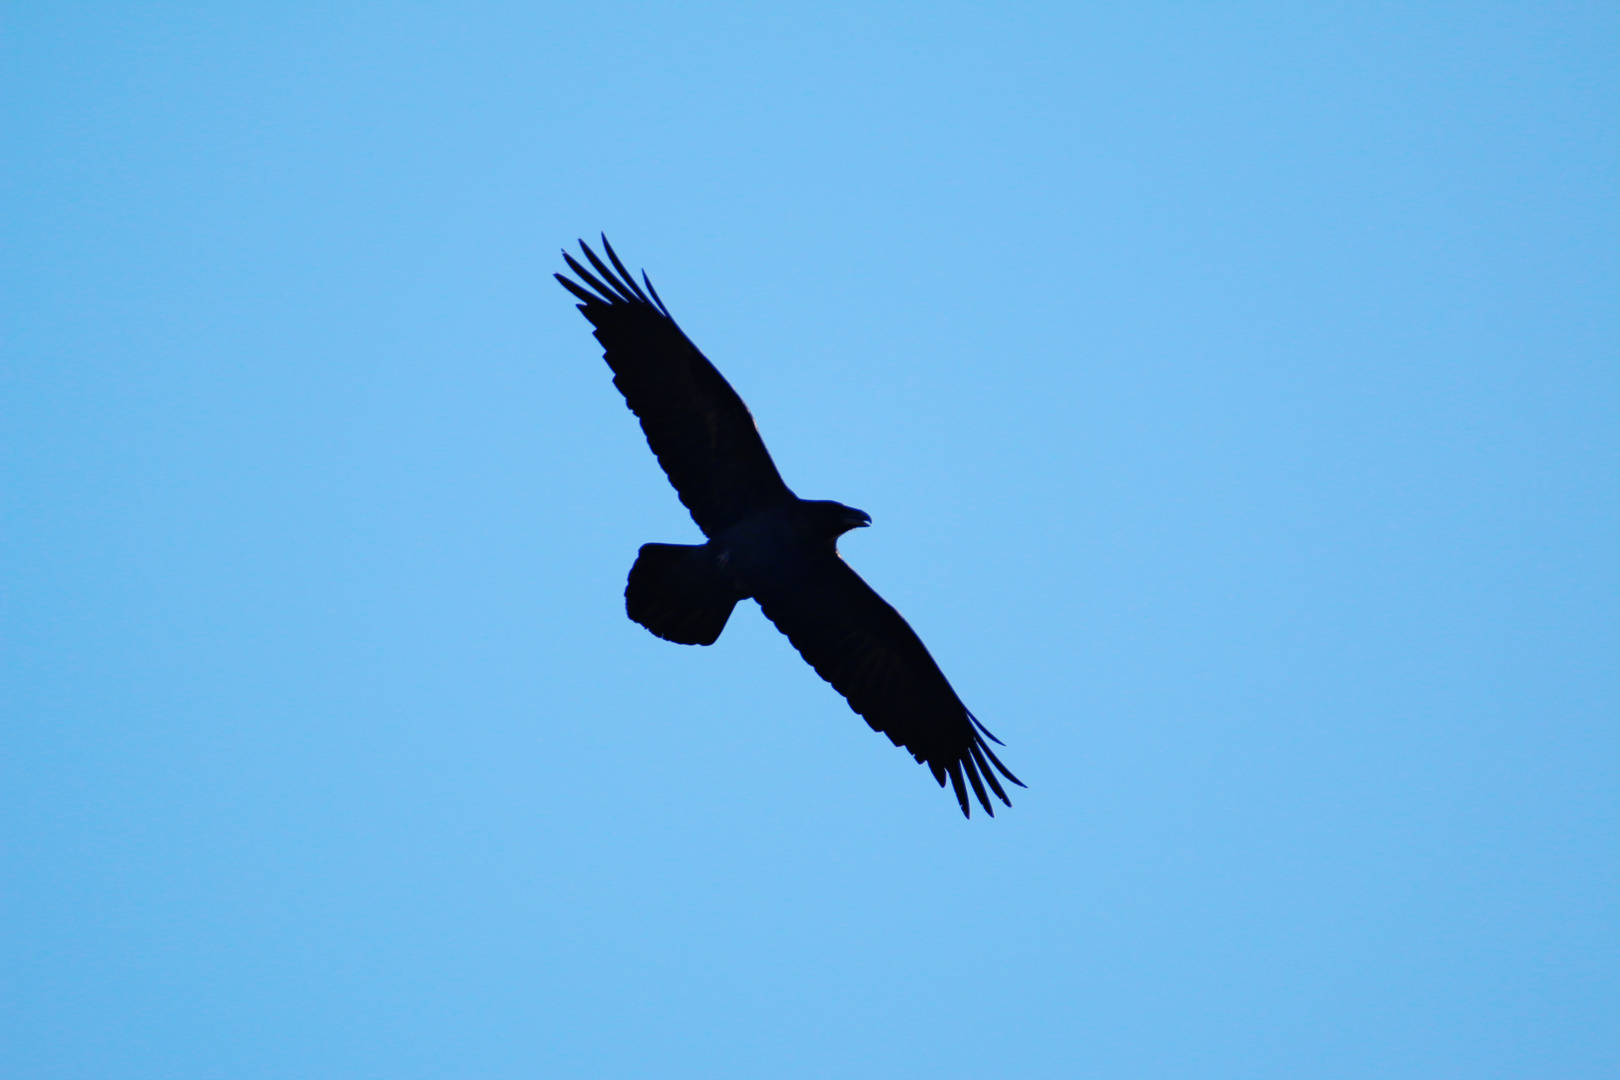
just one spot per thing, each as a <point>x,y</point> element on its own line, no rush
<point>765,542</point>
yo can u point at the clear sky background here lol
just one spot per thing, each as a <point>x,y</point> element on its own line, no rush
<point>1235,392</point>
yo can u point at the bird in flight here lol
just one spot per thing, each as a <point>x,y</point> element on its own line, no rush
<point>766,543</point>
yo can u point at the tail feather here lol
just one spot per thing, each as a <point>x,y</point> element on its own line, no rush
<point>678,592</point>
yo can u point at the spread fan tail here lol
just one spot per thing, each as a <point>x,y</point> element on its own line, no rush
<point>678,592</point>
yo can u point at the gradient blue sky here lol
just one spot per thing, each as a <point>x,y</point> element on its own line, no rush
<point>1235,391</point>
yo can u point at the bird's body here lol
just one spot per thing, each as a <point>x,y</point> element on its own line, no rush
<point>765,543</point>
<point>783,543</point>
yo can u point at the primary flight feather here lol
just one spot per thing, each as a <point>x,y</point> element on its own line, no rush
<point>764,542</point>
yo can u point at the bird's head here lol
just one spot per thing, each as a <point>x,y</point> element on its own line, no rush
<point>837,519</point>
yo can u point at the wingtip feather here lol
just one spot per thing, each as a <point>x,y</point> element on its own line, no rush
<point>984,770</point>
<point>955,769</point>
<point>624,275</point>
<point>984,730</point>
<point>991,754</point>
<point>656,298</point>
<point>572,287</point>
<point>970,766</point>
<point>608,296</point>
<point>618,291</point>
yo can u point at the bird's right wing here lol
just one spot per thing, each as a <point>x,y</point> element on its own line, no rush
<point>861,645</point>
<point>697,426</point>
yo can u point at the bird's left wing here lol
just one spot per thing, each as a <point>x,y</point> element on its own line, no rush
<point>697,426</point>
<point>861,645</point>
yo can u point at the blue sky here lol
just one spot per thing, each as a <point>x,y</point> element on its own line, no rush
<point>1234,390</point>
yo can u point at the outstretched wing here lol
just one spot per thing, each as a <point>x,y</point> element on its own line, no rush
<point>861,645</point>
<point>697,426</point>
